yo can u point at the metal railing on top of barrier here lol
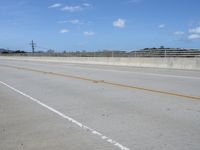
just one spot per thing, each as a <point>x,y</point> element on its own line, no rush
<point>141,53</point>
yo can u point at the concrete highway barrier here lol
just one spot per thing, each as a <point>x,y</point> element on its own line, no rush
<point>168,63</point>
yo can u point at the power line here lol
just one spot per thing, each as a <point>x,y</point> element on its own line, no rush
<point>43,48</point>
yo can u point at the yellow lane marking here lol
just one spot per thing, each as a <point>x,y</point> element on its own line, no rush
<point>106,82</point>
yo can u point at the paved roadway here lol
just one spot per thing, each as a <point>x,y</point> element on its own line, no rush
<point>60,106</point>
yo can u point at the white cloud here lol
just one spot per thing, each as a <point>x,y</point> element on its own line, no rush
<point>195,30</point>
<point>72,8</point>
<point>134,1</point>
<point>62,22</point>
<point>179,33</point>
<point>88,33</point>
<point>87,5</point>
<point>194,37</point>
<point>76,7</point>
<point>55,5</point>
<point>64,31</point>
<point>74,21</point>
<point>120,23</point>
<point>161,26</point>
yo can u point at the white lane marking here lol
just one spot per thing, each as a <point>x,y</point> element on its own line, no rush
<point>124,71</point>
<point>84,127</point>
<point>133,72</point>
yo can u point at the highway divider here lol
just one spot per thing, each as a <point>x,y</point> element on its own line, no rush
<point>168,63</point>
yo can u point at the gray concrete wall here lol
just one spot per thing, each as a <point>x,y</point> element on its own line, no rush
<point>170,63</point>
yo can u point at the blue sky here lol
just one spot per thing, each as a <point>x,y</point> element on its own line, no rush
<point>99,24</point>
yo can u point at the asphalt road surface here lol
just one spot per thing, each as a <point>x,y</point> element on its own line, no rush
<point>61,106</point>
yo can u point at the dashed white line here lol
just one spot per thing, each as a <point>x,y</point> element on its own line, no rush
<point>84,127</point>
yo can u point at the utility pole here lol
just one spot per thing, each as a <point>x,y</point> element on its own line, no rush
<point>33,46</point>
